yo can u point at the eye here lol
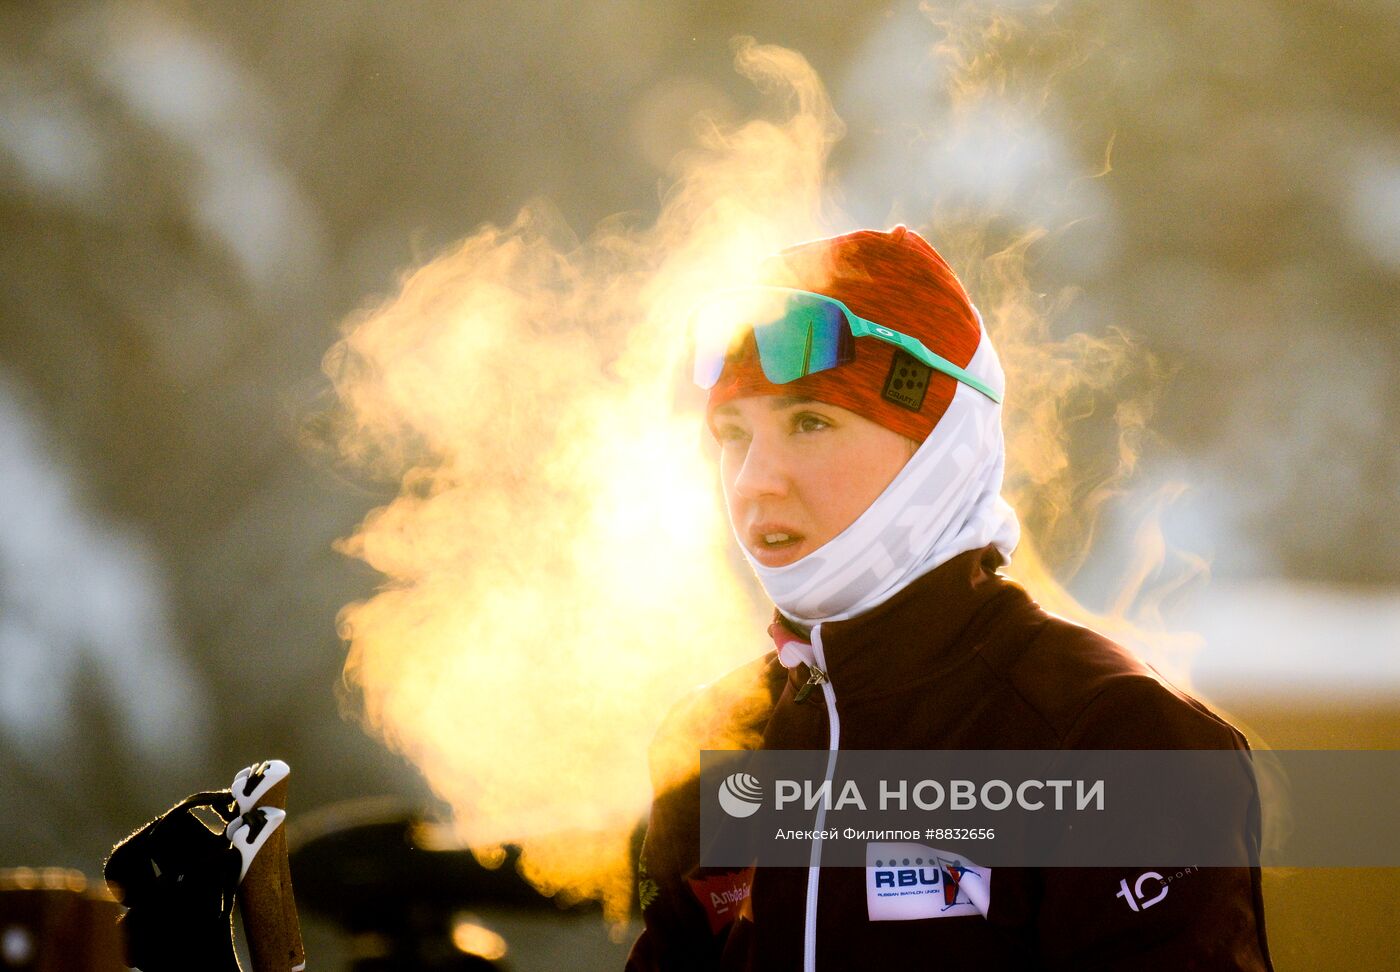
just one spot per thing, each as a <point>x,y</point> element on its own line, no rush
<point>808,422</point>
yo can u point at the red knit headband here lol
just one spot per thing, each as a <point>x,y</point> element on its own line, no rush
<point>895,279</point>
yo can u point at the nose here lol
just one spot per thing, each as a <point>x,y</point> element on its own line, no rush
<point>763,471</point>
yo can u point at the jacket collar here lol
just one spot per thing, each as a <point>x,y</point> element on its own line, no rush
<point>917,632</point>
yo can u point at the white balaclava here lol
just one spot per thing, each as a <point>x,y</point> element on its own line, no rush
<point>945,501</point>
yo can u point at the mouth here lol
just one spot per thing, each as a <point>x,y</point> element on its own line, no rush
<point>774,545</point>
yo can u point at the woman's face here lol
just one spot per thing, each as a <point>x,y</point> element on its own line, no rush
<point>796,472</point>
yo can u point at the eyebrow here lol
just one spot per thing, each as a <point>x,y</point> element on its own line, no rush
<point>775,403</point>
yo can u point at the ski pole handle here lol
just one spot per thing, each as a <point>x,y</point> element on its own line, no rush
<point>265,899</point>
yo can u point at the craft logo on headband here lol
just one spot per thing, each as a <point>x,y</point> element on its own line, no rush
<point>907,382</point>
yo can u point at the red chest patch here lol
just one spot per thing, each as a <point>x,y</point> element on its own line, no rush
<point>724,896</point>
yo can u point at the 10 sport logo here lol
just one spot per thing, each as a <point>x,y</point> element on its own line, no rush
<point>1149,888</point>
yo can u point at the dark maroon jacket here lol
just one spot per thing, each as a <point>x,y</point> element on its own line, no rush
<point>962,658</point>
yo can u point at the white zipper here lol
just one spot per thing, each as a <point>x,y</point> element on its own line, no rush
<point>809,932</point>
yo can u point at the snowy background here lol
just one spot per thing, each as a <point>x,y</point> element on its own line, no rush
<point>194,196</point>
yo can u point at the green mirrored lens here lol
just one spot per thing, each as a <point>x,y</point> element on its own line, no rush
<point>783,345</point>
<point>831,337</point>
<point>809,337</point>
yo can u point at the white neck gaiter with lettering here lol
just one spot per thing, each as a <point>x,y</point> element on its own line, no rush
<point>945,501</point>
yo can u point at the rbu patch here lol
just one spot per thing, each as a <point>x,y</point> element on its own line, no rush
<point>906,877</point>
<point>907,881</point>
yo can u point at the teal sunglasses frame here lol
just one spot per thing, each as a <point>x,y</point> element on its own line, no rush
<point>859,327</point>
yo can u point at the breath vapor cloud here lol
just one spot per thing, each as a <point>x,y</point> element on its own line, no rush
<point>556,567</point>
<point>557,572</point>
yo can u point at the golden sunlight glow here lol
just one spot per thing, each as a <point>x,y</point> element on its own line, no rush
<point>720,320</point>
<point>475,939</point>
<point>558,571</point>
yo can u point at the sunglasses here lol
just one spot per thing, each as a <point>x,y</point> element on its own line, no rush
<point>798,333</point>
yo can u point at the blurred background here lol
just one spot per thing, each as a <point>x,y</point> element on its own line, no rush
<point>194,197</point>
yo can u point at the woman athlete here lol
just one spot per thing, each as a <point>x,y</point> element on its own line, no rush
<point>858,416</point>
